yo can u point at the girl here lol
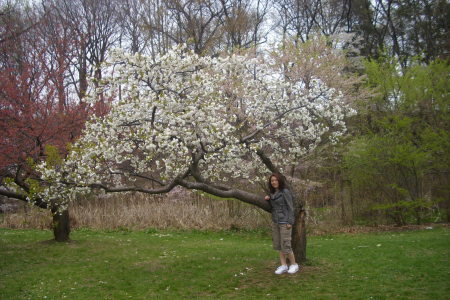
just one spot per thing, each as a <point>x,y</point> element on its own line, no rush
<point>282,220</point>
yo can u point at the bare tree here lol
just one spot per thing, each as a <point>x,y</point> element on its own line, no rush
<point>195,23</point>
<point>207,27</point>
<point>94,24</point>
<point>157,26</point>
<point>243,22</point>
<point>415,27</point>
<point>301,18</point>
<point>294,19</point>
<point>132,35</point>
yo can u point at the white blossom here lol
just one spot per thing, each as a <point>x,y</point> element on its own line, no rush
<point>180,104</point>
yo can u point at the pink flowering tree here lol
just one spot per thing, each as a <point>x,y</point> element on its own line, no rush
<point>217,125</point>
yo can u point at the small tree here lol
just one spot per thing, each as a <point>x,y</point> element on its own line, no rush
<point>218,125</point>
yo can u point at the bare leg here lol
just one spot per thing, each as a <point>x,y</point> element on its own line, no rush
<point>283,259</point>
<point>291,258</point>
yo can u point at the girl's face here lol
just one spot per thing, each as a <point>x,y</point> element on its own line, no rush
<point>274,182</point>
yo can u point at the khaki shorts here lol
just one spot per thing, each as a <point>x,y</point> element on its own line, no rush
<point>281,238</point>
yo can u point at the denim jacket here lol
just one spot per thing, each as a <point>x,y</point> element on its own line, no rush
<point>282,207</point>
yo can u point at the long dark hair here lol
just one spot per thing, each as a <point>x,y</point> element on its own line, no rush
<point>281,182</point>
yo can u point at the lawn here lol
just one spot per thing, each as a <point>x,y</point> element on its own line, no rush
<point>222,265</point>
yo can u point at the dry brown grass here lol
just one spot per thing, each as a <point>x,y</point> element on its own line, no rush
<point>26,217</point>
<point>180,209</point>
<point>138,211</point>
<point>190,211</point>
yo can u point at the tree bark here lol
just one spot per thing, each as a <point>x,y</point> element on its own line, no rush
<point>60,222</point>
<point>299,237</point>
<point>60,225</point>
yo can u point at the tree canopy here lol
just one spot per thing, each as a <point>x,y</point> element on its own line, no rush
<point>182,119</point>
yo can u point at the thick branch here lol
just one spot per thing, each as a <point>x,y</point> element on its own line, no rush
<point>107,189</point>
<point>232,193</point>
<point>267,162</point>
<point>195,172</point>
<point>38,202</point>
<point>279,117</point>
<point>138,176</point>
<point>161,190</point>
<point>195,161</point>
<point>14,195</point>
<point>164,189</point>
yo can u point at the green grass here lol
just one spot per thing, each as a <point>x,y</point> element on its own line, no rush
<point>221,265</point>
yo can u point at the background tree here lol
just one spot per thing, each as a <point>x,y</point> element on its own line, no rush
<point>207,27</point>
<point>303,19</point>
<point>402,151</point>
<point>132,35</point>
<point>243,23</point>
<point>195,23</point>
<point>406,28</point>
<point>37,116</point>
<point>93,25</point>
<point>416,27</point>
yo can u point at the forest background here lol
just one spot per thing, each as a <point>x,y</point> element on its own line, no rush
<point>391,57</point>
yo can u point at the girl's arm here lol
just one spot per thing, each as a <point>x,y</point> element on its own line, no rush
<point>289,201</point>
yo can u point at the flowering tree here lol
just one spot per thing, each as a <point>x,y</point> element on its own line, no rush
<point>202,123</point>
<point>37,116</point>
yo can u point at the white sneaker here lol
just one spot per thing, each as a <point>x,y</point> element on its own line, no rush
<point>281,269</point>
<point>293,269</point>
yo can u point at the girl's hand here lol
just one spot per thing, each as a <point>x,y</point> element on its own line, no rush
<point>288,226</point>
<point>267,198</point>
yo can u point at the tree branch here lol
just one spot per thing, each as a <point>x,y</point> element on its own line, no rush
<point>195,172</point>
<point>280,116</point>
<point>231,193</point>
<point>14,195</point>
<point>267,162</point>
<point>164,189</point>
<point>18,196</point>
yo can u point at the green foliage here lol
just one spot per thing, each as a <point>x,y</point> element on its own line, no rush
<point>53,156</point>
<point>221,265</point>
<point>406,139</point>
<point>34,187</point>
<point>408,211</point>
<point>8,180</point>
<point>30,162</point>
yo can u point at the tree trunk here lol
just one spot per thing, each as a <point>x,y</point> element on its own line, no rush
<point>61,225</point>
<point>341,196</point>
<point>299,228</point>
<point>299,237</point>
